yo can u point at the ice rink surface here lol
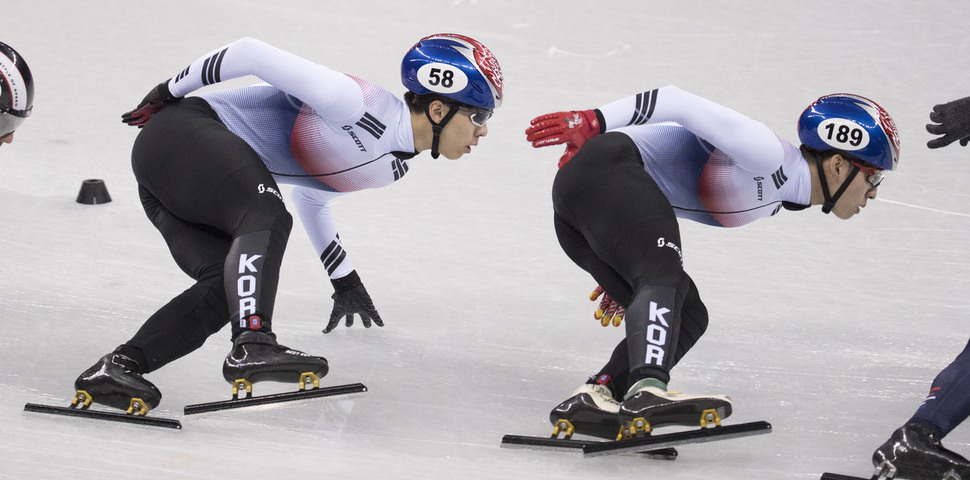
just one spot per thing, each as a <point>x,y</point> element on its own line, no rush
<point>831,330</point>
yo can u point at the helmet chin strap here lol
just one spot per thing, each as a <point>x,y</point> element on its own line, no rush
<point>436,127</point>
<point>831,199</point>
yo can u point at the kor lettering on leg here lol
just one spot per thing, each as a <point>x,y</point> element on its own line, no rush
<point>657,334</point>
<point>246,288</point>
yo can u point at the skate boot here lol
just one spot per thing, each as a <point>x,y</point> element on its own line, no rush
<point>915,453</point>
<point>114,381</point>
<point>591,410</point>
<point>256,357</point>
<point>649,407</point>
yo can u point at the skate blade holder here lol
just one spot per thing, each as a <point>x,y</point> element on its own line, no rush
<point>309,378</point>
<point>138,407</point>
<point>887,471</point>
<point>627,432</point>
<point>565,427</point>
<point>639,427</point>
<point>306,379</point>
<point>241,384</point>
<point>710,418</point>
<point>82,401</point>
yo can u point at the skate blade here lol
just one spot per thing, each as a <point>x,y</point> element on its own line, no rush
<point>275,400</point>
<point>86,413</point>
<point>674,439</point>
<point>573,445</point>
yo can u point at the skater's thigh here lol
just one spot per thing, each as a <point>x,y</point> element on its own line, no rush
<point>203,173</point>
<point>605,194</point>
<point>199,250</point>
<point>578,250</point>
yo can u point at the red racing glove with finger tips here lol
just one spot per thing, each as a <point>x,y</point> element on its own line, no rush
<point>571,128</point>
<point>609,311</point>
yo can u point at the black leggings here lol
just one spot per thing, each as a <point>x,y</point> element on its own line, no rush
<point>613,220</point>
<point>221,214</point>
<point>948,403</point>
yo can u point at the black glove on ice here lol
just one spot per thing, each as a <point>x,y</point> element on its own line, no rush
<point>349,298</point>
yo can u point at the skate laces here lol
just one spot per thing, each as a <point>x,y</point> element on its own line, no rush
<point>675,396</point>
<point>601,395</point>
<point>600,391</point>
<point>254,337</point>
<point>128,364</point>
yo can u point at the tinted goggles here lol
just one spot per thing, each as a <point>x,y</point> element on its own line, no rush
<point>10,119</point>
<point>478,115</point>
<point>873,175</point>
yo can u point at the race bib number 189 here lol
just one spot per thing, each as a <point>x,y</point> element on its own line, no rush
<point>843,134</point>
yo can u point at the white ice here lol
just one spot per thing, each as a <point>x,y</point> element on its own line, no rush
<point>831,330</point>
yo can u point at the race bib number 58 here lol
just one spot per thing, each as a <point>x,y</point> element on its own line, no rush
<point>442,78</point>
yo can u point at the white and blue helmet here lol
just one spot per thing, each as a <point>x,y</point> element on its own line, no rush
<point>853,125</point>
<point>455,66</point>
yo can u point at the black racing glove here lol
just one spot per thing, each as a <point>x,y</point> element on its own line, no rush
<point>349,298</point>
<point>952,120</point>
<point>153,102</point>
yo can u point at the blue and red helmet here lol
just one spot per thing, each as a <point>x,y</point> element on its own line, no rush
<point>455,66</point>
<point>16,89</point>
<point>854,125</point>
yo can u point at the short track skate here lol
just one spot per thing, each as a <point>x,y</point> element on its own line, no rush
<point>137,412</point>
<point>309,388</point>
<point>637,437</point>
<point>884,472</point>
<point>562,440</point>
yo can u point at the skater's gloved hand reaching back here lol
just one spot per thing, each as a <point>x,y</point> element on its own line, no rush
<point>153,102</point>
<point>609,311</point>
<point>952,120</point>
<point>571,128</point>
<point>351,298</point>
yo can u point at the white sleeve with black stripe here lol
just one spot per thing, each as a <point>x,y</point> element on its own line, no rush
<point>740,137</point>
<point>313,206</point>
<point>328,92</point>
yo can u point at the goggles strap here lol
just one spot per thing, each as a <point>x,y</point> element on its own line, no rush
<point>16,113</point>
<point>828,204</point>
<point>830,201</point>
<point>437,127</point>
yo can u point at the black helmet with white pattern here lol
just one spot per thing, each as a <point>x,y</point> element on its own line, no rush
<point>16,90</point>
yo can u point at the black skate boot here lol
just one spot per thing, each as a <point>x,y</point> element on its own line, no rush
<point>591,410</point>
<point>914,452</point>
<point>256,357</point>
<point>659,407</point>
<point>114,381</point>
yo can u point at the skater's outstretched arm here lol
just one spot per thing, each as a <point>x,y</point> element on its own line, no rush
<point>350,297</point>
<point>331,94</point>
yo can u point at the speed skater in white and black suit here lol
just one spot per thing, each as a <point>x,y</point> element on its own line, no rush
<point>207,168</point>
<point>632,168</point>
